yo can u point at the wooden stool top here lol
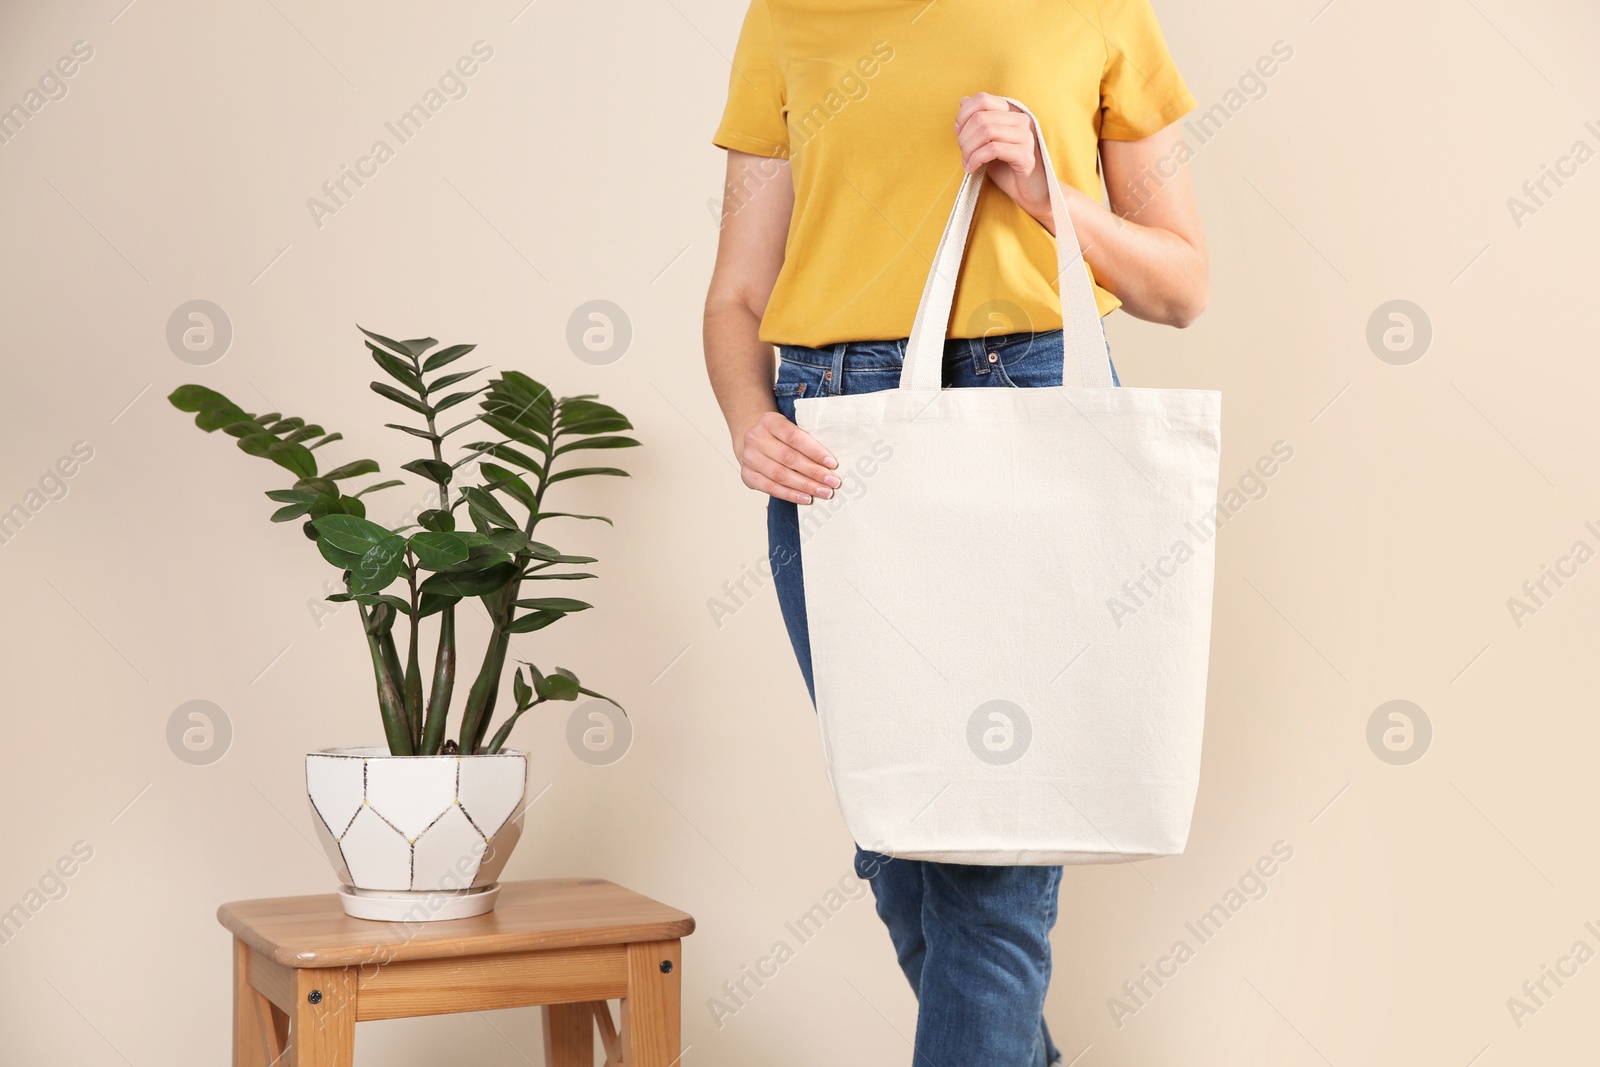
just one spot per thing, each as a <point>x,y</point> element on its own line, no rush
<point>314,931</point>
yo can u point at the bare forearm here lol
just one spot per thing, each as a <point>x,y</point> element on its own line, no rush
<point>1157,274</point>
<point>739,363</point>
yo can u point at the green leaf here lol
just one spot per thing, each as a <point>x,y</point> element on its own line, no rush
<point>255,444</point>
<point>585,472</point>
<point>554,603</point>
<point>379,567</point>
<point>511,541</point>
<point>561,686</point>
<point>537,620</point>
<point>565,576</point>
<point>384,389</point>
<point>351,506</point>
<point>500,450</point>
<point>431,603</point>
<point>455,398</point>
<point>437,520</point>
<point>594,426</point>
<point>488,508</point>
<point>413,431</point>
<point>353,534</point>
<point>461,426</point>
<point>408,348</point>
<point>447,380</point>
<point>305,433</point>
<point>570,515</point>
<point>372,600</point>
<point>521,690</point>
<point>471,583</point>
<point>435,470</point>
<point>509,483</point>
<point>446,355</point>
<point>196,398</point>
<point>598,442</point>
<point>515,431</point>
<point>327,440</point>
<point>291,457</point>
<point>396,368</point>
<point>291,496</point>
<point>580,415</point>
<point>559,558</point>
<point>436,551</point>
<point>381,620</point>
<point>373,488</point>
<point>327,504</point>
<point>481,555</point>
<point>336,555</point>
<point>291,511</point>
<point>350,470</point>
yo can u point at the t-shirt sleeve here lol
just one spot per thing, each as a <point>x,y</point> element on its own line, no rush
<point>754,120</point>
<point>1141,90</point>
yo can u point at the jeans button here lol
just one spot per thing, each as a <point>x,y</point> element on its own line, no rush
<point>994,357</point>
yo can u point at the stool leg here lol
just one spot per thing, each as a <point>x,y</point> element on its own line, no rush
<point>652,1010</point>
<point>323,1034</point>
<point>252,1043</point>
<point>569,1035</point>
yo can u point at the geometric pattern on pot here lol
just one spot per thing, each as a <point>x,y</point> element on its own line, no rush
<point>415,822</point>
<point>494,860</point>
<point>411,794</point>
<point>492,791</point>
<point>377,856</point>
<point>336,787</point>
<point>449,854</point>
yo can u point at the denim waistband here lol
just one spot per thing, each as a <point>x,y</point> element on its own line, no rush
<point>893,353</point>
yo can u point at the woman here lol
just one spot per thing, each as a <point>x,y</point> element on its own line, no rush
<point>848,127</point>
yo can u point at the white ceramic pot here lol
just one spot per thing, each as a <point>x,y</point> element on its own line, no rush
<point>416,838</point>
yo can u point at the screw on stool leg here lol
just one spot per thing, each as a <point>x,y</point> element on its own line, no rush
<point>315,996</point>
<point>666,966</point>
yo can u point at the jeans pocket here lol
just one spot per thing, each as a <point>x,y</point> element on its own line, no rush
<point>797,380</point>
<point>1030,361</point>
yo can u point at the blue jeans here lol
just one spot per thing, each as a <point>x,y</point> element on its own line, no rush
<point>973,941</point>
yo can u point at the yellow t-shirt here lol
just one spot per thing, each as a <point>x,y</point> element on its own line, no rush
<point>861,96</point>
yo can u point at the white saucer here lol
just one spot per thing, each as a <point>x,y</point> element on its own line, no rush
<point>414,906</point>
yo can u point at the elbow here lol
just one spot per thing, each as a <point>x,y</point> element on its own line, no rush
<point>1187,312</point>
<point>1189,303</point>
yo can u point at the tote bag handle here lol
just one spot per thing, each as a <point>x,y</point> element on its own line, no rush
<point>1085,363</point>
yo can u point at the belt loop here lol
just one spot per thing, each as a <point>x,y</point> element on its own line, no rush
<point>837,384</point>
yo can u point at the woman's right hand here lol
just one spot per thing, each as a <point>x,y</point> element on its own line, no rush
<point>780,459</point>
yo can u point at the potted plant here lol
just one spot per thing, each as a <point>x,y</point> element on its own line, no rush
<point>420,828</point>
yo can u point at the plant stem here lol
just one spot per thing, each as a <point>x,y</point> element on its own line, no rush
<point>413,693</point>
<point>505,728</point>
<point>444,679</point>
<point>390,706</point>
<point>481,697</point>
<point>508,597</point>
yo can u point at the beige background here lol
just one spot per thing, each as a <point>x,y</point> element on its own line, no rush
<point>1376,166</point>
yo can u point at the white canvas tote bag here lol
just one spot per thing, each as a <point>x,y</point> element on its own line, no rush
<point>1010,614</point>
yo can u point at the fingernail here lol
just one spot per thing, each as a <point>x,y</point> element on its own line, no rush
<point>831,481</point>
<point>825,493</point>
<point>830,461</point>
<point>803,499</point>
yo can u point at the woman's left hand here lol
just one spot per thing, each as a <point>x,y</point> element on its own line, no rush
<point>995,135</point>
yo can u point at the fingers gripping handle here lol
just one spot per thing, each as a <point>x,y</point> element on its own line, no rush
<point>1085,363</point>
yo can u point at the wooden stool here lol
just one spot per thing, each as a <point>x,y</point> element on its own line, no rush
<point>304,973</point>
